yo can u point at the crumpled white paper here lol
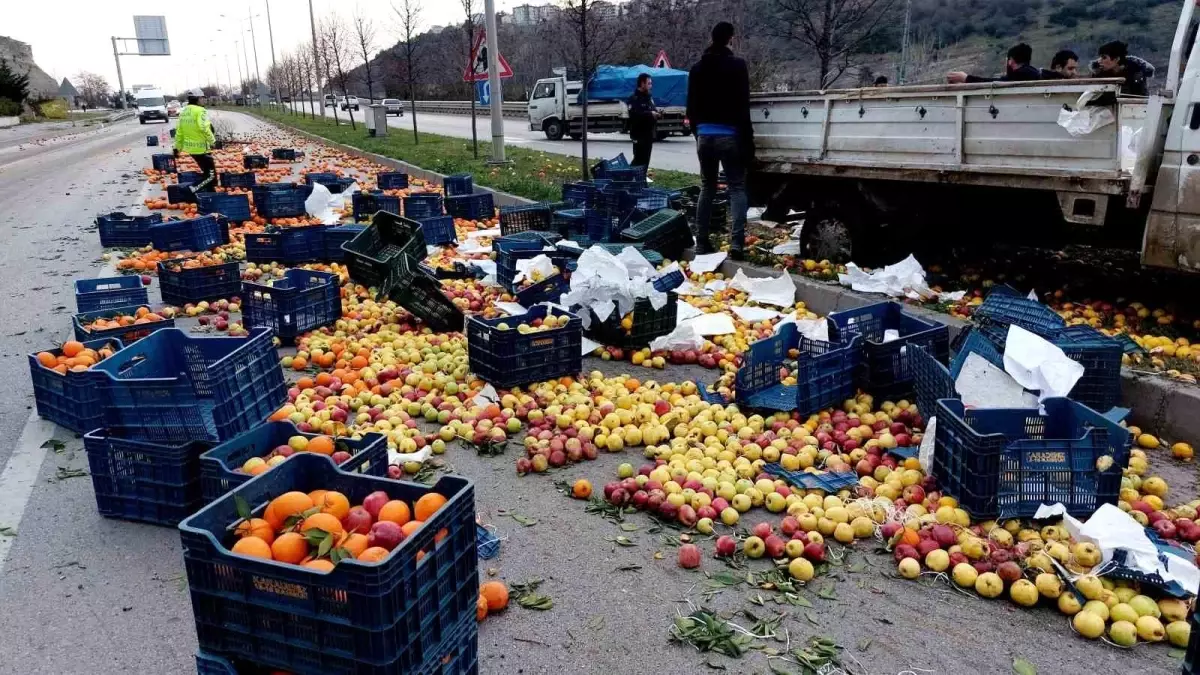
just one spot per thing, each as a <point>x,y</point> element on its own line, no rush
<point>755,314</point>
<point>321,202</point>
<point>716,286</point>
<point>1039,365</point>
<point>779,291</point>
<point>903,279</point>
<point>397,458</point>
<point>719,323</point>
<point>707,262</point>
<point>684,336</point>
<point>473,246</point>
<point>813,329</point>
<point>606,283</point>
<point>526,268</point>
<point>486,396</point>
<point>925,453</point>
<point>690,288</point>
<point>1110,529</point>
<point>685,311</point>
<point>479,234</point>
<point>787,248</point>
<point>510,308</point>
<point>983,385</point>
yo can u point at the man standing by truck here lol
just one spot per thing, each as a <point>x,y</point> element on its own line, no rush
<point>194,135</point>
<point>718,106</point>
<point>643,121</point>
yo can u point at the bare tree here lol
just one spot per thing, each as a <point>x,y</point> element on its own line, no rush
<point>409,16</point>
<point>93,89</point>
<point>310,72</point>
<point>364,40</point>
<point>834,30</point>
<point>330,35</point>
<point>469,28</point>
<point>595,34</point>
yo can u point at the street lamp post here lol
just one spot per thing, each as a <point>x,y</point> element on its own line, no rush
<point>489,10</point>
<point>254,42</point>
<point>271,35</point>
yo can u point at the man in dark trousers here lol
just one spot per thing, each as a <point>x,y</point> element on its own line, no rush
<point>718,107</point>
<point>1016,69</point>
<point>643,121</point>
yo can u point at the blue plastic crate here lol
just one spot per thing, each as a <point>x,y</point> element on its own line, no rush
<point>603,227</point>
<point>477,206</point>
<point>486,543</point>
<point>255,162</point>
<point>211,664</point>
<point>633,174</point>
<point>233,207</point>
<point>194,234</point>
<point>127,334</point>
<point>458,184</point>
<point>219,467</point>
<point>508,358</point>
<point>151,140</point>
<point>759,371</point>
<point>508,255</point>
<point>283,154</point>
<point>709,396</point>
<point>229,179</point>
<point>569,221</point>
<point>280,200</point>
<point>386,254</point>
<point>422,205</point>
<point>172,387</point>
<point>392,180</point>
<point>192,177</point>
<point>1006,463</point>
<point>163,161</point>
<point>666,231</point>
<point>107,292</point>
<point>546,290</point>
<point>439,230</point>
<point>458,654</point>
<point>828,482</point>
<point>576,193</point>
<point>69,399</point>
<point>886,372</point>
<point>367,204</point>
<point>289,245</point>
<point>825,375</point>
<point>528,239</point>
<point>149,482</point>
<point>181,285</point>
<point>397,615</point>
<point>603,167</point>
<point>337,235</point>
<point>669,281</point>
<point>319,177</point>
<point>424,298</point>
<point>118,229</point>
<point>333,182</point>
<point>1100,356</point>
<point>301,301</point>
<point>651,199</point>
<point>180,193</point>
<point>535,217</point>
<point>1004,309</point>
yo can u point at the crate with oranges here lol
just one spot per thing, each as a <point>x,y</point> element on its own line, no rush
<point>264,447</point>
<point>310,568</point>
<point>62,389</point>
<point>127,324</point>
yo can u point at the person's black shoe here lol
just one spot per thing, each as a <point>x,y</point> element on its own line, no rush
<point>735,254</point>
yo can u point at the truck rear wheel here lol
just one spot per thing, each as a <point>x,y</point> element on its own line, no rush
<point>825,236</point>
<point>554,130</point>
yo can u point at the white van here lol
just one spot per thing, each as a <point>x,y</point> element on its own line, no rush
<point>151,105</point>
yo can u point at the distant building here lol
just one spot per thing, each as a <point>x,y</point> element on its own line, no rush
<point>604,9</point>
<point>68,93</point>
<point>528,15</point>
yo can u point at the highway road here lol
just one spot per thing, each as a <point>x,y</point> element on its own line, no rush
<point>677,153</point>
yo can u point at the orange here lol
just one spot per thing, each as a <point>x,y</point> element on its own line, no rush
<point>280,415</point>
<point>355,544</point>
<point>322,445</point>
<point>72,348</point>
<point>259,468</point>
<point>284,506</point>
<point>395,511</point>
<point>410,527</point>
<point>428,505</point>
<point>909,536</point>
<point>47,359</point>
<point>253,547</point>
<point>304,383</point>
<point>358,362</point>
<point>290,547</point>
<point>442,534</point>
<point>299,363</point>
<point>321,565</point>
<point>632,384</point>
<point>323,521</point>
<point>496,594</point>
<point>582,489</point>
<point>481,608</point>
<point>256,527</point>
<point>323,379</point>
<point>373,554</point>
<point>317,496</point>
<point>333,503</point>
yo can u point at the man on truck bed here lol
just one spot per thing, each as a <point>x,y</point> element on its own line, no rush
<point>1017,69</point>
<point>1064,66</point>
<point>1115,61</point>
<point>643,121</point>
<point>194,135</point>
<point>718,106</point>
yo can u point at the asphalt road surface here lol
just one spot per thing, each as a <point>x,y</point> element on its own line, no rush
<point>677,152</point>
<point>82,594</point>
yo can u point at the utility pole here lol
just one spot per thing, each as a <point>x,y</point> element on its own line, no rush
<point>241,79</point>
<point>120,78</point>
<point>271,35</point>
<point>312,23</point>
<point>246,55</point>
<point>228,74</point>
<point>489,10</point>
<point>254,41</point>
<point>904,44</point>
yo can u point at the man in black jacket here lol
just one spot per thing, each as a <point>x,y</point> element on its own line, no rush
<point>1017,69</point>
<point>1064,66</point>
<point>643,120</point>
<point>718,107</point>
<point>1115,61</point>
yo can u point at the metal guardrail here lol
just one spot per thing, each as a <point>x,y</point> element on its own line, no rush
<point>509,109</point>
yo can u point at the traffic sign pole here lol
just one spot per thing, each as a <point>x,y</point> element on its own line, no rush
<point>494,91</point>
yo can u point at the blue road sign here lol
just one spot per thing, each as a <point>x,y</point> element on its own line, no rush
<point>483,92</point>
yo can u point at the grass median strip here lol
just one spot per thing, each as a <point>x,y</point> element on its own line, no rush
<point>531,174</point>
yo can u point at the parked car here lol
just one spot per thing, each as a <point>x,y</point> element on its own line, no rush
<point>328,100</point>
<point>173,109</point>
<point>349,103</point>
<point>394,106</point>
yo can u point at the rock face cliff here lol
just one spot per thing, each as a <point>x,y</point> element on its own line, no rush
<point>20,58</point>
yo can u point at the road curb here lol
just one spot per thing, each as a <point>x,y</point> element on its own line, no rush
<point>1145,394</point>
<point>499,198</point>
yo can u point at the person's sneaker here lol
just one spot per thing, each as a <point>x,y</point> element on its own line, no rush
<point>736,254</point>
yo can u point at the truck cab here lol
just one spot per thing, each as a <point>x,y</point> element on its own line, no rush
<point>151,105</point>
<point>547,104</point>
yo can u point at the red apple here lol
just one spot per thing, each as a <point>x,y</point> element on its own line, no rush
<point>761,530</point>
<point>789,526</point>
<point>1009,571</point>
<point>375,501</point>
<point>775,546</point>
<point>385,534</point>
<point>689,556</point>
<point>726,546</point>
<point>358,520</point>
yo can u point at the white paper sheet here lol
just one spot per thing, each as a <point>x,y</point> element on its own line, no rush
<point>689,288</point>
<point>486,396</point>
<point>786,248</point>
<point>478,234</point>
<point>903,279</point>
<point>716,286</point>
<point>712,324</point>
<point>685,336</point>
<point>813,329</point>
<point>685,311</point>
<point>539,264</point>
<point>755,314</point>
<point>779,291</point>
<point>983,385</point>
<point>510,308</point>
<point>473,246</point>
<point>707,262</point>
<point>1039,365</point>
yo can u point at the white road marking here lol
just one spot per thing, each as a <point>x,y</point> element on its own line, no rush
<point>25,464</point>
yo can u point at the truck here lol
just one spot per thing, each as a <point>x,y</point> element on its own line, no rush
<point>151,104</point>
<point>1048,162</point>
<point>556,103</point>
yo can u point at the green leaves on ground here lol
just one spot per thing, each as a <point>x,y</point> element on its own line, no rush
<point>709,633</point>
<point>608,511</point>
<point>528,597</point>
<point>1022,667</point>
<point>524,520</point>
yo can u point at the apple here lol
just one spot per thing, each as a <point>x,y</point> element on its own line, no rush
<point>385,534</point>
<point>375,501</point>
<point>358,519</point>
<point>687,515</point>
<point>761,530</point>
<point>944,535</point>
<point>1009,571</point>
<point>394,472</point>
<point>905,551</point>
<point>689,556</point>
<point>789,526</point>
<point>815,551</point>
<point>774,546</point>
<point>1165,529</point>
<point>340,457</point>
<point>754,547</point>
<point>726,546</point>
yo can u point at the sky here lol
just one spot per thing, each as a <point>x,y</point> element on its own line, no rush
<point>69,36</point>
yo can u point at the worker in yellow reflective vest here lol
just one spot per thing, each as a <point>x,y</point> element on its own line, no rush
<point>194,136</point>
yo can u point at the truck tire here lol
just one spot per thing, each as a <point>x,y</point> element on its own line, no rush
<point>826,236</point>
<point>141,120</point>
<point>576,137</point>
<point>661,136</point>
<point>554,130</point>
